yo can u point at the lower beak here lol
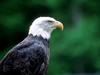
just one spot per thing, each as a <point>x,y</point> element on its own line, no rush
<point>58,24</point>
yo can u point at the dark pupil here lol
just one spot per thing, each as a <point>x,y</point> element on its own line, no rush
<point>49,21</point>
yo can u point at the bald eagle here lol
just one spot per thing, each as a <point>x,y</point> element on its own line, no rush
<point>31,56</point>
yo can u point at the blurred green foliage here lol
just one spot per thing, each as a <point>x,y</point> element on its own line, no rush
<point>75,50</point>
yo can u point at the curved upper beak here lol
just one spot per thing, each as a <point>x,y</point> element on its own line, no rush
<point>58,24</point>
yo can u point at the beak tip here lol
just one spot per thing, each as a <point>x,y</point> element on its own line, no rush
<point>62,27</point>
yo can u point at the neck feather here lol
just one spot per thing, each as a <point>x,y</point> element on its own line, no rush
<point>37,31</point>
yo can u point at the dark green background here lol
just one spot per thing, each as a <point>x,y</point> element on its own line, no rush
<point>74,50</point>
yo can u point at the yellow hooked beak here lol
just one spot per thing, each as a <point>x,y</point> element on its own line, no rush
<point>58,24</point>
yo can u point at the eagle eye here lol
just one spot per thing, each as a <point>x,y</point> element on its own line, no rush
<point>49,21</point>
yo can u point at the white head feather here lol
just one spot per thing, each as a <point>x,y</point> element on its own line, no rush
<point>42,26</point>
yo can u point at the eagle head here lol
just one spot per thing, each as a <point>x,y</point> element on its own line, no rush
<point>43,26</point>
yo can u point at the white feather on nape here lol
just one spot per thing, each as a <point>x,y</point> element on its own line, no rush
<point>37,31</point>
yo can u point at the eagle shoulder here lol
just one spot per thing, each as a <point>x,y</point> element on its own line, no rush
<point>28,57</point>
